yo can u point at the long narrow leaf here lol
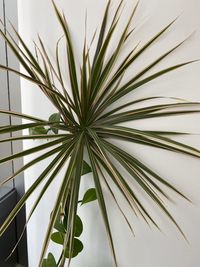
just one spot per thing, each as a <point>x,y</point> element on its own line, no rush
<point>32,150</point>
<point>101,199</point>
<point>22,201</point>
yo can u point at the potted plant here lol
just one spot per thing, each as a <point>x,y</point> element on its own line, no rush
<point>87,122</point>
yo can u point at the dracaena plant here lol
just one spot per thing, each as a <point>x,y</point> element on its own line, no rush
<point>91,115</point>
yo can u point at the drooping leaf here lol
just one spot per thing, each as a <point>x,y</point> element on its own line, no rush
<point>46,171</point>
<point>101,199</point>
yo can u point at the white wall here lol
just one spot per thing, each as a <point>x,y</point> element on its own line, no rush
<point>149,248</point>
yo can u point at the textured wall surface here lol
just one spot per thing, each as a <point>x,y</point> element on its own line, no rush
<point>150,248</point>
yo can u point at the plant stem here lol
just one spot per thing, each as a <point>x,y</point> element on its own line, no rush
<point>59,260</point>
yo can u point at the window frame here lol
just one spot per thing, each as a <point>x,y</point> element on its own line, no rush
<point>9,200</point>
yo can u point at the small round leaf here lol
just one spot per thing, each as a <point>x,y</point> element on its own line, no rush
<point>58,238</point>
<point>77,248</point>
<point>55,117</point>
<point>37,130</point>
<point>89,196</point>
<point>78,226</point>
<point>50,261</point>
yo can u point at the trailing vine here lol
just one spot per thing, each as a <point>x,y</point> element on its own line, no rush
<point>60,226</point>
